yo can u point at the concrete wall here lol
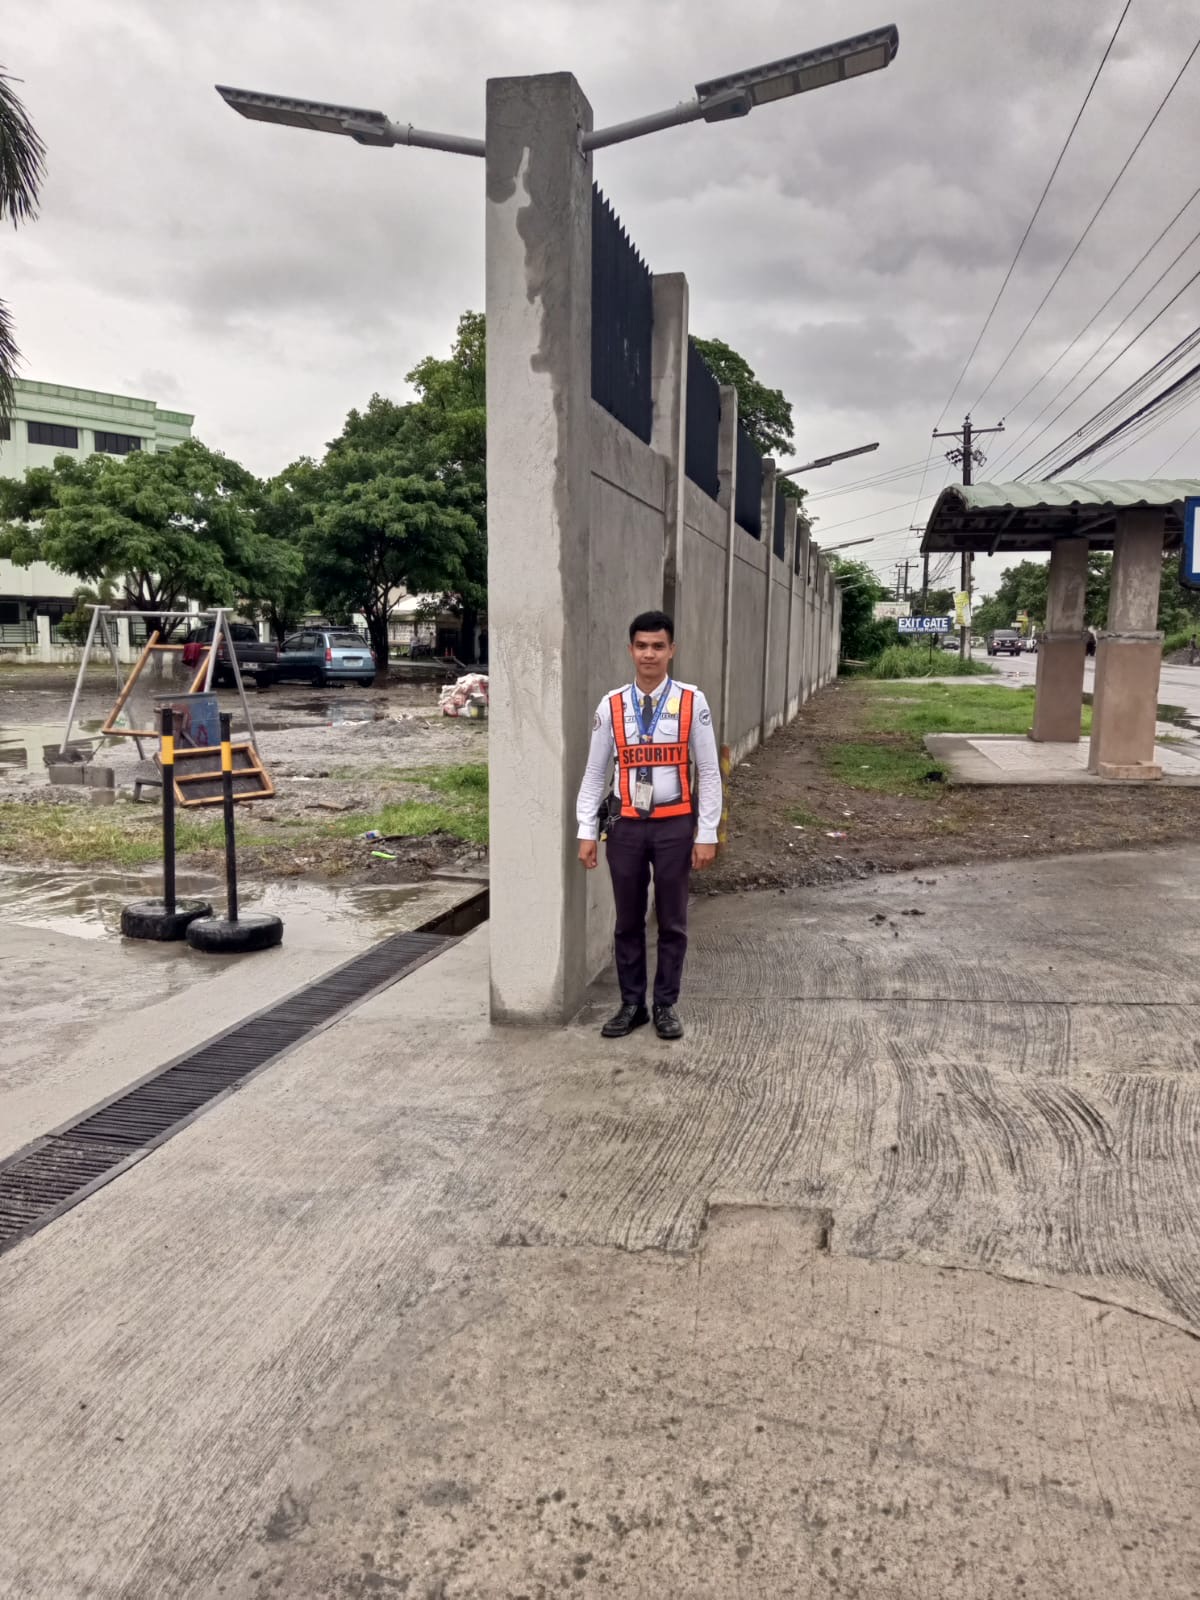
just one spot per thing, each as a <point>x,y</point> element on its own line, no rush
<point>588,526</point>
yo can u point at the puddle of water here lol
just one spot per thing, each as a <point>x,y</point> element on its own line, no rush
<point>90,908</point>
<point>22,744</point>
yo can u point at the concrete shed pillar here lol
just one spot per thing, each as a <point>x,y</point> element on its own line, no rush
<point>538,297</point>
<point>1129,653</point>
<point>1058,702</point>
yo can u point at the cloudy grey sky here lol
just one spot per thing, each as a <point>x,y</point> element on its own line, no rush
<point>848,242</point>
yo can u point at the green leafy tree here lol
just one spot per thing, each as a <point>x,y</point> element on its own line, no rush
<point>939,603</point>
<point>451,423</point>
<point>765,413</point>
<point>862,637</point>
<point>162,528</point>
<point>1024,588</point>
<point>379,515</point>
<point>22,168</point>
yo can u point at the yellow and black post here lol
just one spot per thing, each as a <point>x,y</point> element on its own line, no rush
<point>227,805</point>
<point>166,760</point>
<point>233,934</point>
<point>167,918</point>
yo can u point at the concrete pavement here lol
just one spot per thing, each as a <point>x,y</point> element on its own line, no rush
<point>883,1284</point>
<point>1177,685</point>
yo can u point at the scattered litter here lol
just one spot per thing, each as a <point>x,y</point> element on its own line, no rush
<point>914,911</point>
<point>383,855</point>
<point>372,833</point>
<point>467,697</point>
<point>834,833</point>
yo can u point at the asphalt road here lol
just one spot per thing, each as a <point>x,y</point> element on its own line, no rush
<point>1178,685</point>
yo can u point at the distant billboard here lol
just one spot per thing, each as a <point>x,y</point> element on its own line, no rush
<point>889,610</point>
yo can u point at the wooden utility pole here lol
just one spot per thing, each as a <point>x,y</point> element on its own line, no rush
<point>965,455</point>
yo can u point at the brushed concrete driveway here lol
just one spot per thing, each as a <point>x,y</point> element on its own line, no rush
<point>886,1282</point>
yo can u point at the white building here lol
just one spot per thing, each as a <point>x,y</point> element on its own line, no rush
<point>51,420</point>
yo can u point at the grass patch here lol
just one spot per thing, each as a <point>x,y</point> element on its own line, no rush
<point>885,768</point>
<point>80,837</point>
<point>805,819</point>
<point>956,708</point>
<point>910,661</point>
<point>460,808</point>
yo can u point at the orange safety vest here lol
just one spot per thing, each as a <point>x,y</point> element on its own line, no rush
<point>632,756</point>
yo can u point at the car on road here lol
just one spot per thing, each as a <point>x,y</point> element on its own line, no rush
<point>1004,642</point>
<point>949,641</point>
<point>322,656</point>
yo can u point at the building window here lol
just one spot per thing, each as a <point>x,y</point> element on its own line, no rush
<point>5,429</point>
<point>117,444</point>
<point>53,433</point>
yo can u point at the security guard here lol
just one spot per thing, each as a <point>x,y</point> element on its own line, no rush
<point>652,731</point>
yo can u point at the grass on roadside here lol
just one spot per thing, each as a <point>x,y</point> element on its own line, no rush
<point>77,836</point>
<point>911,661</point>
<point>955,708</point>
<point>885,768</point>
<point>460,808</point>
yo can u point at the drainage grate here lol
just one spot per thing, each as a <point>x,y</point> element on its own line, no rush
<point>62,1168</point>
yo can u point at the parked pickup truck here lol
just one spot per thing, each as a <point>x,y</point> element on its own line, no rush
<point>253,657</point>
<point>1004,642</point>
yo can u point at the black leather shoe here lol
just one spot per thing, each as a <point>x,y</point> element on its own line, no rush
<point>666,1023</point>
<point>625,1021</point>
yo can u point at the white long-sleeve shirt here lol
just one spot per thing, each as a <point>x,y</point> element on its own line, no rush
<point>702,744</point>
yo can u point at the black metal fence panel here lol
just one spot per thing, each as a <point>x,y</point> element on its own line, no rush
<point>622,323</point>
<point>780,534</point>
<point>703,424</point>
<point>748,499</point>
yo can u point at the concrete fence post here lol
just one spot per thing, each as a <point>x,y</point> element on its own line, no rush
<point>800,584</point>
<point>538,301</point>
<point>768,544</point>
<point>45,649</point>
<point>789,557</point>
<point>727,500</point>
<point>668,378</point>
<point>125,652</point>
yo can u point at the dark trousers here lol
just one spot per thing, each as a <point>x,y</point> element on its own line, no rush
<point>637,846</point>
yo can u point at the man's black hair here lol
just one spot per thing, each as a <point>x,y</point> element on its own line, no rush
<point>652,622</point>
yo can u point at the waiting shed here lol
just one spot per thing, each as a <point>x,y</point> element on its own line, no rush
<point>1139,521</point>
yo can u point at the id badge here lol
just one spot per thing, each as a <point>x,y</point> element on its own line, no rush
<point>643,796</point>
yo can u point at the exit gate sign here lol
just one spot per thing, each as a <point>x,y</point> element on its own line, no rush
<point>927,624</point>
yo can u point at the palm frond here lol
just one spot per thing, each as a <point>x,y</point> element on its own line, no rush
<point>9,358</point>
<point>22,156</point>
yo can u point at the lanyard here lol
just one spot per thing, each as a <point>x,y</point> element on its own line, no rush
<point>647,733</point>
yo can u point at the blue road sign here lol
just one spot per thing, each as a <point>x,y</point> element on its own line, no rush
<point>927,624</point>
<point>1189,566</point>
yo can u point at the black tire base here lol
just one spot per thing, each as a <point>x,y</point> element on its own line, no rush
<point>257,930</point>
<point>149,919</point>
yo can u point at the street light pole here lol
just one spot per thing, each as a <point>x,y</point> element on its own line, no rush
<point>827,461</point>
<point>718,100</point>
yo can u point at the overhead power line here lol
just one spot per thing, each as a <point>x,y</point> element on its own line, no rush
<point>1075,248</point>
<point>1095,317</point>
<point>1026,471</point>
<point>1158,471</point>
<point>987,321</point>
<point>1190,380</point>
<point>1083,366</point>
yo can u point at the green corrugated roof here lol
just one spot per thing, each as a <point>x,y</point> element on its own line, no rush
<point>988,517</point>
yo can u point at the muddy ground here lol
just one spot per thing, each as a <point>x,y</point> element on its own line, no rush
<point>897,833</point>
<point>330,753</point>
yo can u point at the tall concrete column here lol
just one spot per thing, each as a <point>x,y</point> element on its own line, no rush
<point>1062,650</point>
<point>789,561</point>
<point>800,585</point>
<point>1129,653</point>
<point>538,298</point>
<point>125,650</point>
<point>45,648</point>
<point>768,543</point>
<point>727,500</point>
<point>668,379</point>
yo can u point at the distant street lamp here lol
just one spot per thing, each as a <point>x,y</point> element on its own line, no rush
<point>718,100</point>
<point>827,461</point>
<point>827,549</point>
